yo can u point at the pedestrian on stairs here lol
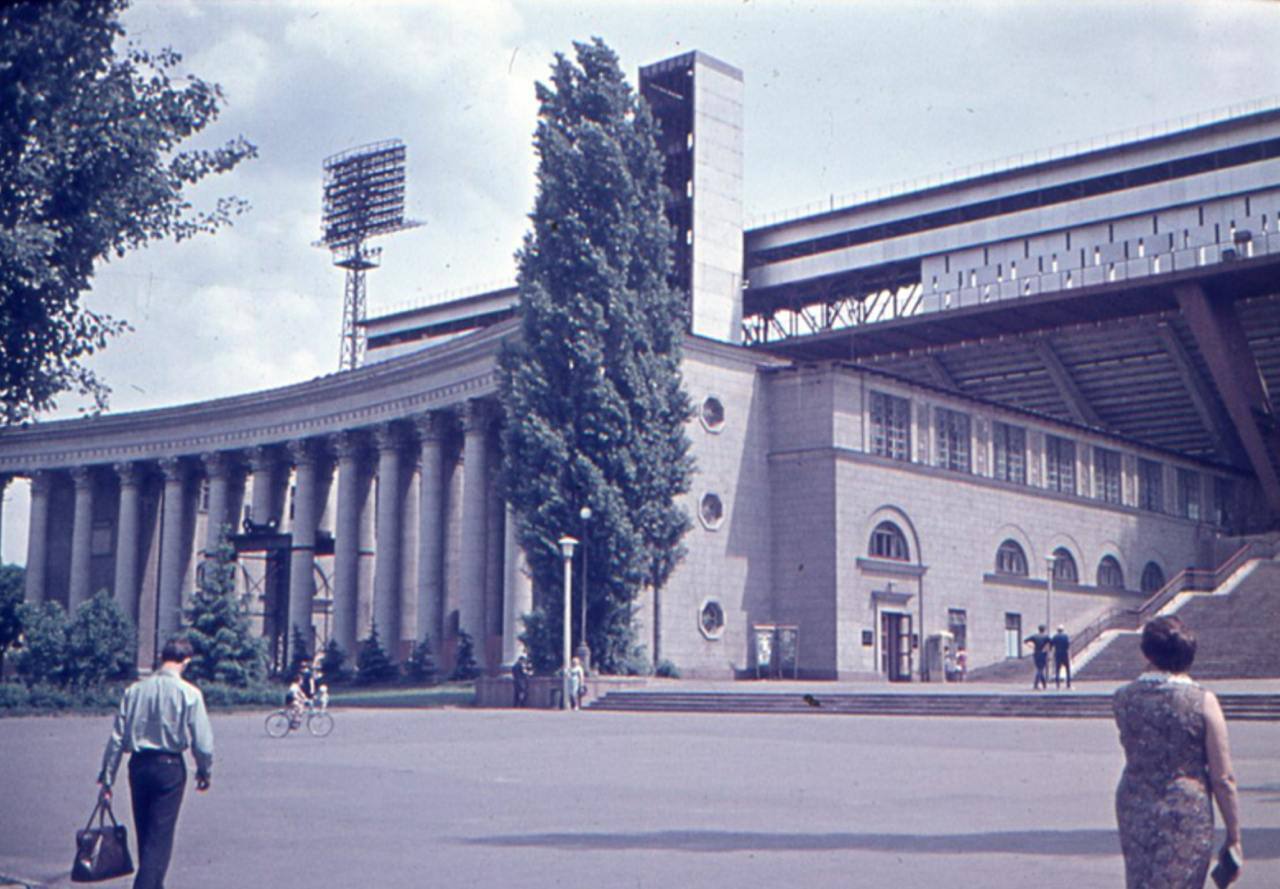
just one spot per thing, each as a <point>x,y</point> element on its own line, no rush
<point>1061,656</point>
<point>1040,643</point>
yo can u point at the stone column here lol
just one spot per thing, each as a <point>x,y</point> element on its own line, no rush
<point>517,592</point>
<point>264,462</point>
<point>386,578</point>
<point>4,485</point>
<point>495,548</point>
<point>81,538</point>
<point>475,500</point>
<point>302,556</point>
<point>218,467</point>
<point>172,549</point>
<point>353,495</point>
<point>38,536</point>
<point>432,429</point>
<point>128,544</point>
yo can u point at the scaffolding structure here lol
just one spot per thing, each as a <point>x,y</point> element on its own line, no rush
<point>364,191</point>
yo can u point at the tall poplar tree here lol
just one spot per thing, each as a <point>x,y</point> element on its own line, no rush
<point>594,404</point>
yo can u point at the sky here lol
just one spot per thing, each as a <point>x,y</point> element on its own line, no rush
<point>840,98</point>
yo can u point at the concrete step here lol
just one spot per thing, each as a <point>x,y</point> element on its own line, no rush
<point>1049,705</point>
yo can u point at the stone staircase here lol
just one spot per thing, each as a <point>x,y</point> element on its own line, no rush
<point>1235,632</point>
<point>1045,705</point>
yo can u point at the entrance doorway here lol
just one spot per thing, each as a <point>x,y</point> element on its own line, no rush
<point>895,646</point>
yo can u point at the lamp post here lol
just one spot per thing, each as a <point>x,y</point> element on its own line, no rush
<point>584,649</point>
<point>1050,563</point>
<point>567,544</point>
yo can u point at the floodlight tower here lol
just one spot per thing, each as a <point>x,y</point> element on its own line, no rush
<point>363,198</point>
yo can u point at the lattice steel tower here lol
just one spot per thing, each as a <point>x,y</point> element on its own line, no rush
<point>363,198</point>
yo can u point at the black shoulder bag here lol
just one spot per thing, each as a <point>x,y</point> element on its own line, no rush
<point>102,852</point>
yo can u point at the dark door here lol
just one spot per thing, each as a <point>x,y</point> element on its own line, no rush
<point>895,646</point>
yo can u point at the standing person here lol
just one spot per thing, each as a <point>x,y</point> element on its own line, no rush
<point>1061,656</point>
<point>519,683</point>
<point>962,663</point>
<point>1176,756</point>
<point>1040,643</point>
<point>159,717</point>
<point>577,683</point>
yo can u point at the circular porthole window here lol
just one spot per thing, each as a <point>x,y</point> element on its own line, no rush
<point>711,619</point>
<point>711,511</point>
<point>712,414</point>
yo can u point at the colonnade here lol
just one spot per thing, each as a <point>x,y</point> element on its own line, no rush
<point>422,542</point>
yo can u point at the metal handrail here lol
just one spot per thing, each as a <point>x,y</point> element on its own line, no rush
<point>1186,580</point>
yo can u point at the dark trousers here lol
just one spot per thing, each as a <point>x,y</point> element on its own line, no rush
<point>156,781</point>
<point>1042,680</point>
<point>1058,666</point>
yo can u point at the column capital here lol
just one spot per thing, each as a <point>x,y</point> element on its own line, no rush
<point>129,473</point>
<point>349,444</point>
<point>174,469</point>
<point>433,426</point>
<point>82,476</point>
<point>389,436</point>
<point>477,413</point>
<point>305,452</point>
<point>219,464</point>
<point>41,481</point>
<point>263,457</point>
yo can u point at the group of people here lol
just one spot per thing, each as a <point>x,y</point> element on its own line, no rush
<point>1174,735</point>
<point>1041,643</point>
<point>521,671</point>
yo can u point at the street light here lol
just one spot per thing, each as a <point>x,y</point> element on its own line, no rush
<point>1050,563</point>
<point>584,649</point>
<point>567,544</point>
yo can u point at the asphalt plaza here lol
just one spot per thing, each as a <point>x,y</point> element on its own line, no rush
<point>464,797</point>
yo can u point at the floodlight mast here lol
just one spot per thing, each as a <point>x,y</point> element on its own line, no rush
<point>363,198</point>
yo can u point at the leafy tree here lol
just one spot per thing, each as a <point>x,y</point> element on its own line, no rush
<point>464,664</point>
<point>12,581</point>
<point>102,645</point>
<point>373,665</point>
<point>89,169</point>
<point>594,406</point>
<point>542,642</point>
<point>421,665</point>
<point>226,648</point>
<point>43,656</point>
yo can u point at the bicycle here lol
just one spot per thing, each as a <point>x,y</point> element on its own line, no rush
<point>315,714</point>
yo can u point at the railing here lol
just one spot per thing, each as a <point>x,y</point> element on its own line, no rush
<point>1189,580</point>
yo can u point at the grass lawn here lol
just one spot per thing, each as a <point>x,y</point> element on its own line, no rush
<point>449,694</point>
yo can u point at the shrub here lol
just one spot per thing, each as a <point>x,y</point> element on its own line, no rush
<point>12,580</point>
<point>43,656</point>
<point>333,668</point>
<point>226,649</point>
<point>299,647</point>
<point>43,696</point>
<point>102,646</point>
<point>220,694</point>
<point>464,665</point>
<point>373,666</point>
<point>541,641</point>
<point>421,666</point>
<point>13,696</point>
<point>667,670</point>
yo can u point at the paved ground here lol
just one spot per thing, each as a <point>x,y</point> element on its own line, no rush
<point>470,798</point>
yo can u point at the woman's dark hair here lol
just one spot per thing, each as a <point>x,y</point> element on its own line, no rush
<point>1169,644</point>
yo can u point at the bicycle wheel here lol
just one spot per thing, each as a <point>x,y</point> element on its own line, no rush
<point>278,724</point>
<point>320,724</point>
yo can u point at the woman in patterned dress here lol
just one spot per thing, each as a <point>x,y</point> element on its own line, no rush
<point>1176,757</point>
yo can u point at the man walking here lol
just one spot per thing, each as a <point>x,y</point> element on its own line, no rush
<point>159,718</point>
<point>1061,656</point>
<point>1040,643</point>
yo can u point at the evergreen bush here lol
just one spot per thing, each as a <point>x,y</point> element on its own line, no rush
<point>42,659</point>
<point>373,666</point>
<point>667,670</point>
<point>541,641</point>
<point>12,590</point>
<point>102,645</point>
<point>300,646</point>
<point>421,666</point>
<point>226,648</point>
<point>333,669</point>
<point>465,667</point>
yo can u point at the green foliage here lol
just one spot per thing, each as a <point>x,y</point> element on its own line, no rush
<point>16,699</point>
<point>300,646</point>
<point>102,645</point>
<point>542,642</point>
<point>13,696</point>
<point>667,670</point>
<point>226,648</point>
<point>12,583</point>
<point>43,656</point>
<point>421,666</point>
<point>594,405</point>
<point>89,168</point>
<point>464,664</point>
<point>373,666</point>
<point>219,694</point>
<point>334,666</point>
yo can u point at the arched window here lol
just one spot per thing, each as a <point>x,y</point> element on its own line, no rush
<point>1011,559</point>
<point>1152,578</point>
<point>1110,575</point>
<point>1064,566</point>
<point>888,542</point>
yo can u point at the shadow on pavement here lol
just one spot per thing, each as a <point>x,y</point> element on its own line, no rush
<point>1259,844</point>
